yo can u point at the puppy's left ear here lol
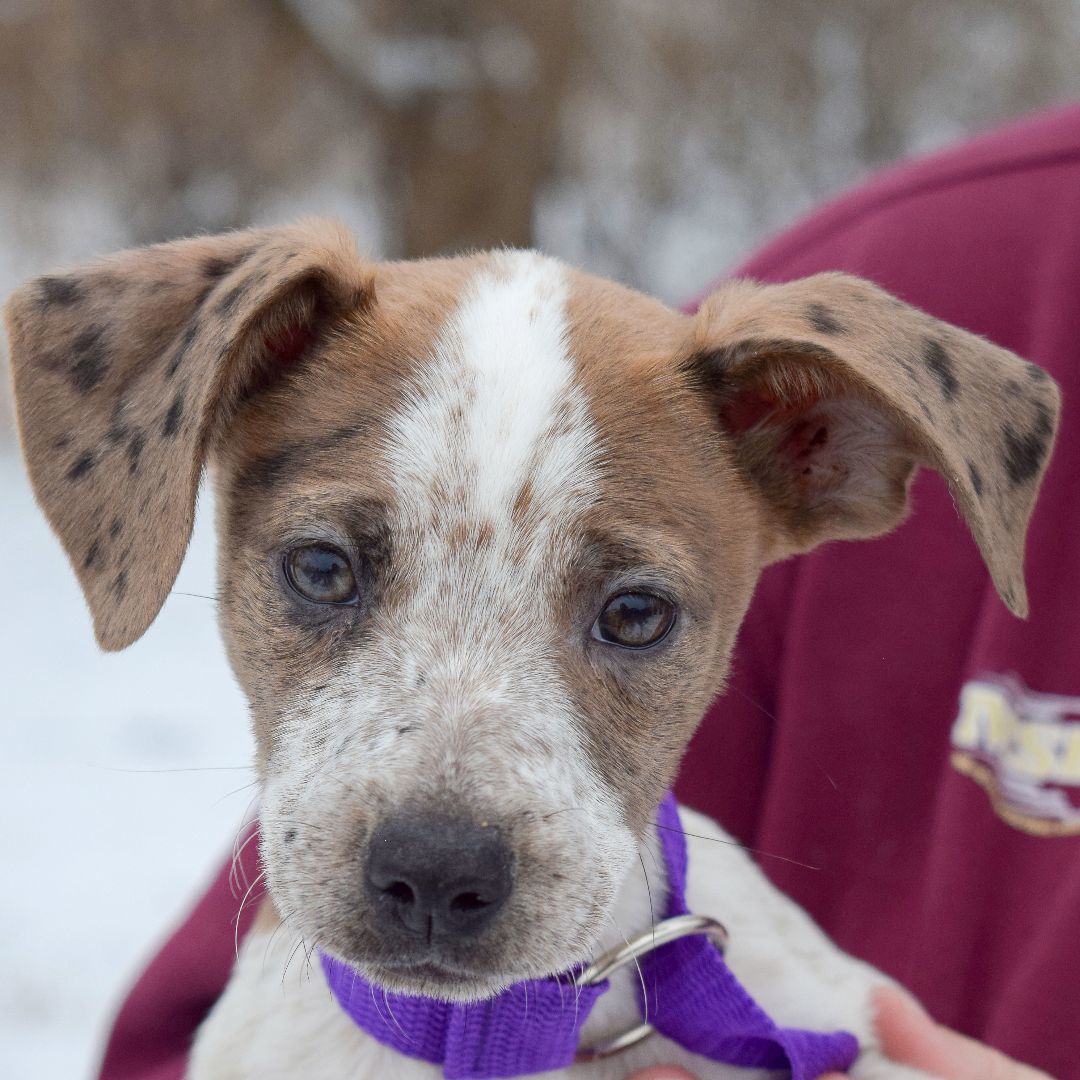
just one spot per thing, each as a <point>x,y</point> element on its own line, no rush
<point>833,393</point>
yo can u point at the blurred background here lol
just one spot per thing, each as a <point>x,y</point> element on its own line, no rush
<point>654,141</point>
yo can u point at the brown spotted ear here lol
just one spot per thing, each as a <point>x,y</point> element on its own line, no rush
<point>834,392</point>
<point>126,371</point>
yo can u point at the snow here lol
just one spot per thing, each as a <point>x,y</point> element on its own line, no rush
<point>123,781</point>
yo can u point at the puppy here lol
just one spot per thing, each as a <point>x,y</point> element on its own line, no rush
<point>488,527</point>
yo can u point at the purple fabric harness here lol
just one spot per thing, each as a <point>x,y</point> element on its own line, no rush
<point>693,999</point>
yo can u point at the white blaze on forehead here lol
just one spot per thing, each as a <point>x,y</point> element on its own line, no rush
<point>498,408</point>
<point>499,404</point>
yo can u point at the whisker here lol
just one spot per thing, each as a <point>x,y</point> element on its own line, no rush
<point>307,960</point>
<point>648,886</point>
<point>761,708</point>
<point>745,847</point>
<point>237,867</point>
<point>299,945</point>
<point>652,920</point>
<point>157,772</point>
<point>297,821</point>
<point>397,1024</point>
<point>236,925</point>
<point>637,966</point>
<point>236,791</point>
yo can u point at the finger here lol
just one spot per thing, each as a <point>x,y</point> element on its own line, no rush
<point>909,1035</point>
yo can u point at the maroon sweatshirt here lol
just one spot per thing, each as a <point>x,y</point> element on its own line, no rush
<point>888,721</point>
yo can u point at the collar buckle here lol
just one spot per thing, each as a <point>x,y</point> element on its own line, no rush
<point>663,933</point>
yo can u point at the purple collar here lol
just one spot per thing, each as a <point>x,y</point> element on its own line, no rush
<point>535,1026</point>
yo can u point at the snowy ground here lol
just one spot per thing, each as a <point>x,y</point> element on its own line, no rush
<point>123,779</point>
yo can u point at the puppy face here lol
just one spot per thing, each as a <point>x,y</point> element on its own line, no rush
<point>515,509</point>
<point>488,527</point>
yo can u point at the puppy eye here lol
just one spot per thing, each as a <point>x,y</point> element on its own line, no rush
<point>321,574</point>
<point>634,620</point>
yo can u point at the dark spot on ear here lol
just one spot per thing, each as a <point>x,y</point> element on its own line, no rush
<point>115,528</point>
<point>216,267</point>
<point>1024,454</point>
<point>290,835</point>
<point>83,465</point>
<point>90,364</point>
<point>976,478</point>
<point>92,554</point>
<point>134,451</point>
<point>182,346</point>
<point>823,320</point>
<point>230,299</point>
<point>171,424</point>
<point>62,442</point>
<point>908,366</point>
<point>119,585</point>
<point>1035,372</point>
<point>117,431</point>
<point>60,290</point>
<point>940,364</point>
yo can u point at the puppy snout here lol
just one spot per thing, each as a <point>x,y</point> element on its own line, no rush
<point>438,879</point>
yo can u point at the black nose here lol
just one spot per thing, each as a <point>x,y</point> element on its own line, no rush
<point>438,878</point>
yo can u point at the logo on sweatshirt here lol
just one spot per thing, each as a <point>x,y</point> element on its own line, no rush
<point>1023,749</point>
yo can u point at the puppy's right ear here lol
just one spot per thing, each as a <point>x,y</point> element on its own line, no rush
<point>125,372</point>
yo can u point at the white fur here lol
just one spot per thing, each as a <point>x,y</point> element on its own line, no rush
<point>502,361</point>
<point>270,1027</point>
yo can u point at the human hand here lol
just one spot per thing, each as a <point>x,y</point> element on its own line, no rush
<point>909,1036</point>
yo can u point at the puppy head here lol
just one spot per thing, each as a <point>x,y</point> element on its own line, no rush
<point>487,530</point>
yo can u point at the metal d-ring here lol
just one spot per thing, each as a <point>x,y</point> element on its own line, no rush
<point>663,933</point>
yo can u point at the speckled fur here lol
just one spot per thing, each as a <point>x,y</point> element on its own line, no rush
<point>499,443</point>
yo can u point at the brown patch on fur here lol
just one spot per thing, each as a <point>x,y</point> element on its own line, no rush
<point>310,452</point>
<point>522,504</point>
<point>458,536</point>
<point>485,533</point>
<point>669,504</point>
<point>469,536</point>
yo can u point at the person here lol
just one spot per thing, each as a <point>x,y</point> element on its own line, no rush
<point>902,754</point>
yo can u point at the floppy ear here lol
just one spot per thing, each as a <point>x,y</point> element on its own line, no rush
<point>126,371</point>
<point>834,392</point>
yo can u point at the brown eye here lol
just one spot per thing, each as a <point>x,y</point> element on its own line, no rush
<point>635,620</point>
<point>321,574</point>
